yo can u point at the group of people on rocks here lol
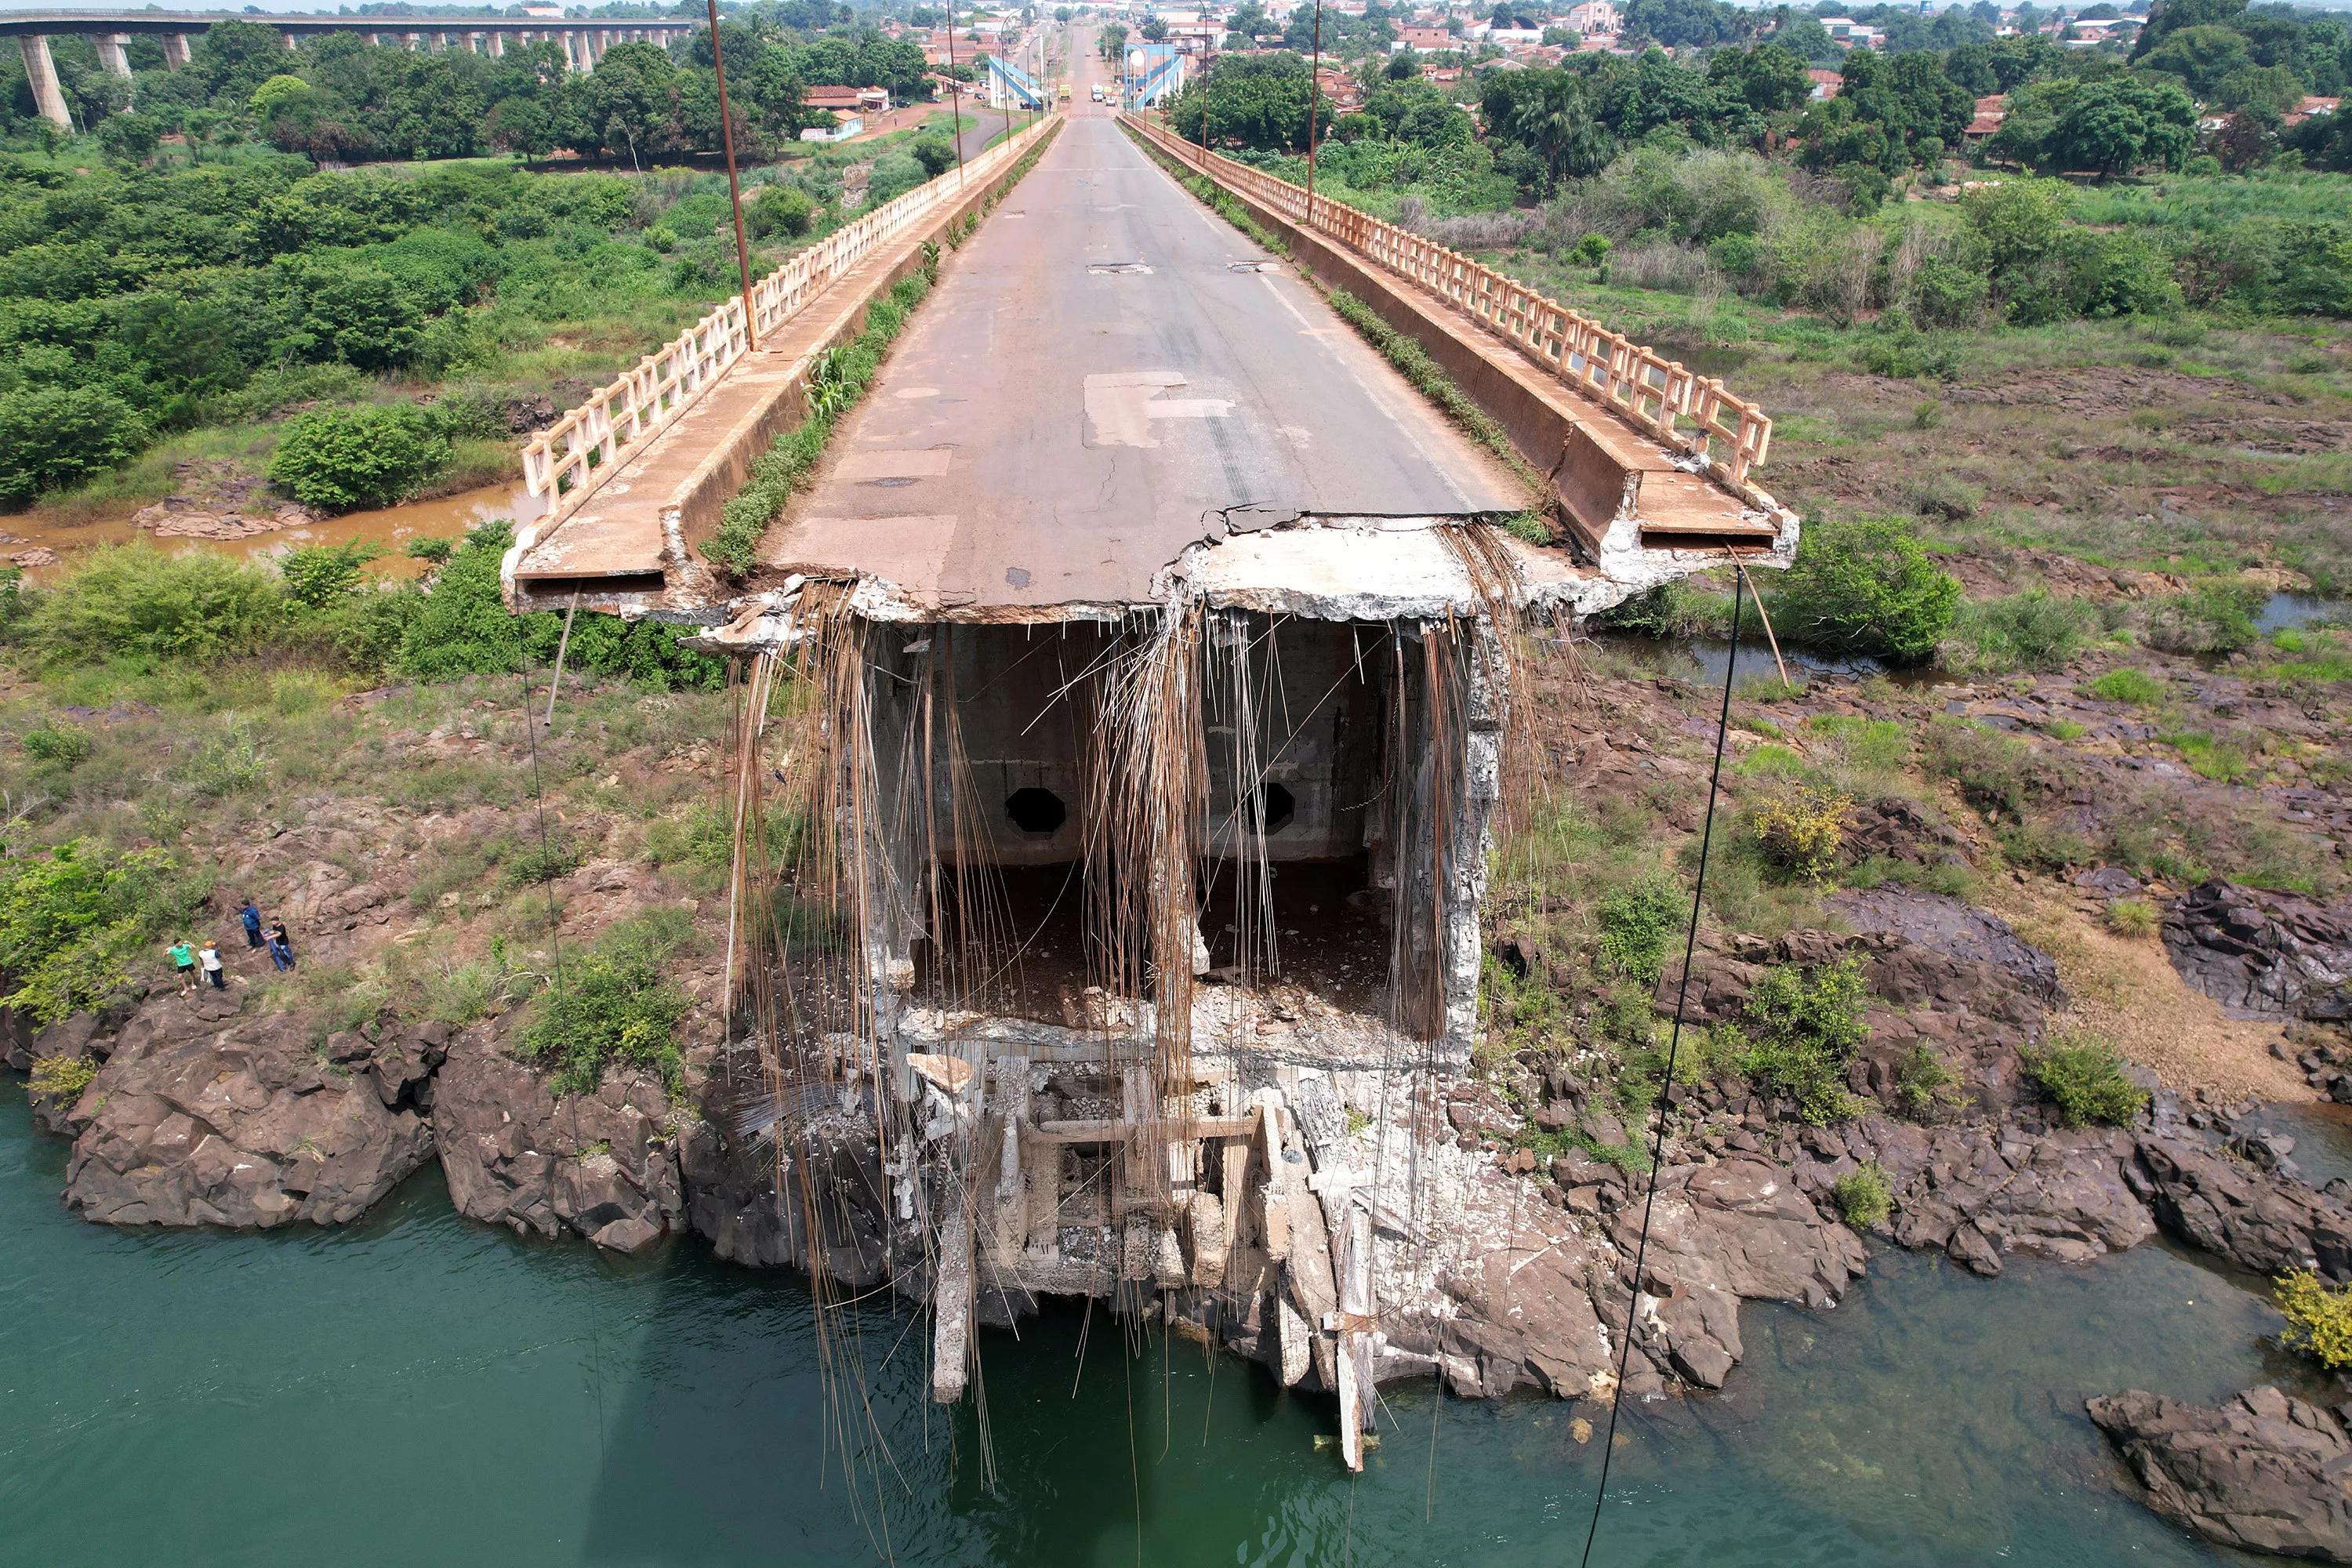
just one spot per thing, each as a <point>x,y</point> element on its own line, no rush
<point>201,964</point>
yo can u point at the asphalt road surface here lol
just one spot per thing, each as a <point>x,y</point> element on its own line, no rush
<point>1106,374</point>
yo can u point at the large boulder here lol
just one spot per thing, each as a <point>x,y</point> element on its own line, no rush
<point>203,1116</point>
<point>2264,954</point>
<point>830,1168</point>
<point>516,1153</point>
<point>2260,1220</point>
<point>2264,1472</point>
<point>1740,1229</point>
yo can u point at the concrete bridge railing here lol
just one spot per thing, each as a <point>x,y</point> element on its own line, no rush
<point>1648,390</point>
<point>562,463</point>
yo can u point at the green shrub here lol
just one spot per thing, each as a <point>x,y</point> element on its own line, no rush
<point>1803,830</point>
<point>937,155</point>
<point>1800,1029</point>
<point>55,437</point>
<point>339,459</point>
<point>1675,609</point>
<point>61,1078</point>
<point>1923,1084</point>
<point>1895,347</point>
<point>836,381</point>
<point>1865,586</point>
<point>612,1005</point>
<point>893,175</point>
<point>1995,771</point>
<point>2132,918</point>
<point>2085,1079</point>
<point>1863,1197</point>
<point>781,209</point>
<point>318,575</point>
<point>532,864</point>
<point>1637,924</point>
<point>2129,684</point>
<point>134,599</point>
<point>2218,617</point>
<point>74,919</point>
<point>2065,730</point>
<point>61,745</point>
<point>2318,1319</point>
<point>2033,630</point>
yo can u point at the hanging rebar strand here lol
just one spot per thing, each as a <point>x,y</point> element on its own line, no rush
<point>734,187</point>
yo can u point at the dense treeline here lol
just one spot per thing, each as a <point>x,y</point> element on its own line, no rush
<point>141,299</point>
<point>1718,169</point>
<point>338,98</point>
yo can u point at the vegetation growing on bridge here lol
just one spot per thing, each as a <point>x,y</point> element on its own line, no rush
<point>836,383</point>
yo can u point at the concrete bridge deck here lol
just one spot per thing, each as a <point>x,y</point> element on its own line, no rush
<point>1109,373</point>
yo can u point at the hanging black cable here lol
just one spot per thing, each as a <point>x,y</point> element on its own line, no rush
<point>1673,1044</point>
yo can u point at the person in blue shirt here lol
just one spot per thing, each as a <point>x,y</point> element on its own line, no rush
<point>251,916</point>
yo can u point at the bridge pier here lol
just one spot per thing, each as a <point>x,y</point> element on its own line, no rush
<point>176,50</point>
<point>496,44</point>
<point>112,53</point>
<point>49,97</point>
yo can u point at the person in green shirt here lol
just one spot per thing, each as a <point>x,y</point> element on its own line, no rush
<point>184,963</point>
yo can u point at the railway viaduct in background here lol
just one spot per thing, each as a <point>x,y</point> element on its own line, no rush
<point>585,42</point>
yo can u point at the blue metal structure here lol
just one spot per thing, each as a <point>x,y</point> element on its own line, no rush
<point>1009,83</point>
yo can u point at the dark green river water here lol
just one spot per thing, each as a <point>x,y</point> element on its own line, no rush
<point>420,1389</point>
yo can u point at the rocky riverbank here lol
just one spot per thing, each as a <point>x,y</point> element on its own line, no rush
<point>1508,1202</point>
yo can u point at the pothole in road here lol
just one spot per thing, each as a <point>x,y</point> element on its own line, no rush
<point>1117,268</point>
<point>1258,265</point>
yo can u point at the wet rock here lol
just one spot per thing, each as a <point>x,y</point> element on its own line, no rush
<point>602,1165</point>
<point>201,1117</point>
<point>836,1174</point>
<point>1980,1193</point>
<point>2258,1220</point>
<point>1738,1230</point>
<point>2264,954</point>
<point>38,555</point>
<point>2264,1472</point>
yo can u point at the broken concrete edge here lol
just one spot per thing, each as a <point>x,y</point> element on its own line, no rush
<point>688,583</point>
<point>1596,493</point>
<point>1312,566</point>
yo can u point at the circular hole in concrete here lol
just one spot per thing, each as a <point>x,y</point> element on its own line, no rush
<point>1037,811</point>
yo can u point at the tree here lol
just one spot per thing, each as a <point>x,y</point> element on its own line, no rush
<point>2273,88</point>
<point>2200,56</point>
<point>1110,42</point>
<point>630,103</point>
<point>1769,77</point>
<point>2122,123</point>
<point>2170,17</point>
<point>357,313</point>
<point>1154,30</point>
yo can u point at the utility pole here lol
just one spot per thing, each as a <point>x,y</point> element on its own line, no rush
<point>1208,58</point>
<point>1314,67</point>
<point>734,186</point>
<point>955,91</point>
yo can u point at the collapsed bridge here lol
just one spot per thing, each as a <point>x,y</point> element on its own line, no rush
<point>1126,698</point>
